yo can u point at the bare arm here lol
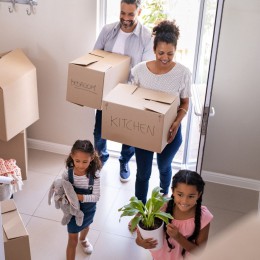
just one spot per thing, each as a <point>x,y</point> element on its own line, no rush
<point>184,242</point>
<point>182,110</point>
<point>148,243</point>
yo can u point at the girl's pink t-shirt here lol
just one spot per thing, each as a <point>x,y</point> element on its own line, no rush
<point>186,228</point>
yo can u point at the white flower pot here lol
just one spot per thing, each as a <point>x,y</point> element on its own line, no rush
<point>157,234</point>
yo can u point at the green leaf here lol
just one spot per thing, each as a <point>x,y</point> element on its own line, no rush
<point>134,222</point>
<point>130,212</point>
<point>164,216</point>
<point>166,220</point>
<point>148,212</point>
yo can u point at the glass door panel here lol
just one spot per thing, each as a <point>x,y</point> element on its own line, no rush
<point>200,71</point>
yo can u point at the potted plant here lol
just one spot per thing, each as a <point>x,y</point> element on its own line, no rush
<point>149,217</point>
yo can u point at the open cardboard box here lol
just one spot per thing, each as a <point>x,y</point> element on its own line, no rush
<point>18,94</point>
<point>91,77</point>
<point>138,117</point>
<point>15,235</point>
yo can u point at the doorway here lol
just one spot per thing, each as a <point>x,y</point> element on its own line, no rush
<point>195,19</point>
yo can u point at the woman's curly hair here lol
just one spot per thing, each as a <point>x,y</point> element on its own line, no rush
<point>166,31</point>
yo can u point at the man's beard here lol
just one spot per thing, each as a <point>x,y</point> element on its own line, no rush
<point>127,23</point>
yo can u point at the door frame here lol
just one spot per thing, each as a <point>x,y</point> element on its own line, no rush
<point>209,87</point>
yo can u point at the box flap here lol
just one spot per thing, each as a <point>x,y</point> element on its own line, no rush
<point>86,60</point>
<point>12,222</point>
<point>3,54</point>
<point>14,65</point>
<point>8,205</point>
<point>140,98</point>
<point>100,53</point>
<point>155,95</point>
<point>100,66</point>
<point>13,225</point>
<point>117,59</point>
<point>108,60</point>
<point>120,92</point>
<point>157,107</point>
<point>111,58</point>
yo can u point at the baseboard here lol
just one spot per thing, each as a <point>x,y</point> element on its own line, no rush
<point>56,148</point>
<point>214,177</point>
<point>229,180</point>
<point>48,146</point>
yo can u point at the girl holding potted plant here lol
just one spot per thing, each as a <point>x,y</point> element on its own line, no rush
<point>189,228</point>
<point>149,217</point>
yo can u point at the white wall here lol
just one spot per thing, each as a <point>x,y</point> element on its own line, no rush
<point>59,32</point>
<point>233,143</point>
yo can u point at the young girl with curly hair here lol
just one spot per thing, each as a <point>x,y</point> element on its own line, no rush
<point>83,166</point>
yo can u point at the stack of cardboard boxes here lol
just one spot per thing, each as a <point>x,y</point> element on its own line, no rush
<point>131,115</point>
<point>18,105</point>
<point>18,110</point>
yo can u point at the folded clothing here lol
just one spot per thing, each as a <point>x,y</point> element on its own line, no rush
<point>9,169</point>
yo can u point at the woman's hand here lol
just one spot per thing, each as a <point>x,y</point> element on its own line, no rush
<point>181,112</point>
<point>148,243</point>
<point>173,131</point>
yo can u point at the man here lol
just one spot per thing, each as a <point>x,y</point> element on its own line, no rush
<point>128,37</point>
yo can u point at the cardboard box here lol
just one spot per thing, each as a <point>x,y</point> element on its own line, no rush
<point>91,77</point>
<point>18,94</point>
<point>138,117</point>
<point>16,148</point>
<point>16,238</point>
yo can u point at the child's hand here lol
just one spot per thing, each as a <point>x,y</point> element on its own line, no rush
<point>80,197</point>
<point>148,243</point>
<point>172,231</point>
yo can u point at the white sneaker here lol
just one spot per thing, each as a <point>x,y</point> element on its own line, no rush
<point>86,246</point>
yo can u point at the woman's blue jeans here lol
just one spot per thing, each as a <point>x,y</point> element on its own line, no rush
<point>101,144</point>
<point>144,160</point>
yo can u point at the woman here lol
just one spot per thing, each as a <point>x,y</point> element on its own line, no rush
<point>168,76</point>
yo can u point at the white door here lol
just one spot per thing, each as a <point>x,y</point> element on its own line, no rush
<point>230,147</point>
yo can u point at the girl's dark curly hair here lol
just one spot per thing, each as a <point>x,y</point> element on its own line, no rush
<point>190,178</point>
<point>166,31</point>
<point>85,146</point>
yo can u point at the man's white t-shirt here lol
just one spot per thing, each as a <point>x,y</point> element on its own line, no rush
<point>119,46</point>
